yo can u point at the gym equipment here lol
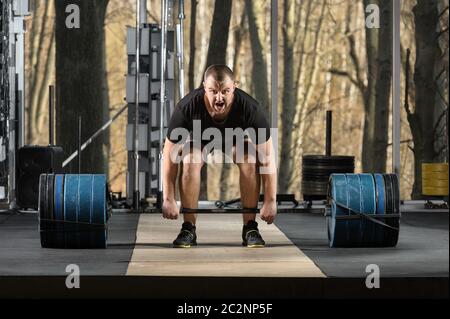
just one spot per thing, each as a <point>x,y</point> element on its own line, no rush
<point>12,95</point>
<point>32,162</point>
<point>363,210</point>
<point>435,179</point>
<point>73,210</point>
<point>316,169</point>
<point>153,91</point>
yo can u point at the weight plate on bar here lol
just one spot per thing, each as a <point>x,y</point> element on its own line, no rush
<point>42,206</point>
<point>71,210</point>
<point>58,210</point>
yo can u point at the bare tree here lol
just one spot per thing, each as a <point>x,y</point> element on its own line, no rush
<point>288,95</point>
<point>376,94</point>
<point>80,78</point>
<point>192,33</point>
<point>259,67</point>
<point>217,55</point>
<point>422,119</point>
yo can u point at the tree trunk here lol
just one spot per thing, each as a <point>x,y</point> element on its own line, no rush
<point>80,78</point>
<point>35,82</point>
<point>259,68</point>
<point>288,96</point>
<point>192,45</point>
<point>377,93</point>
<point>217,55</point>
<point>421,121</point>
<point>226,167</point>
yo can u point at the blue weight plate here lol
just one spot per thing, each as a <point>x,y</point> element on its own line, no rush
<point>354,202</point>
<point>85,209</point>
<point>396,205</point>
<point>368,207</point>
<point>59,209</point>
<point>389,209</point>
<point>381,203</point>
<point>99,214</point>
<point>50,215</point>
<point>71,208</point>
<point>338,228</point>
<point>42,206</point>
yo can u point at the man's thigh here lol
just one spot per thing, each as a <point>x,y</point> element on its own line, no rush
<point>244,153</point>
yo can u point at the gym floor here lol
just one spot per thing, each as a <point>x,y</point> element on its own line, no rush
<point>297,261</point>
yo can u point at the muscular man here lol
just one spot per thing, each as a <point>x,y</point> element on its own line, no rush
<point>219,106</point>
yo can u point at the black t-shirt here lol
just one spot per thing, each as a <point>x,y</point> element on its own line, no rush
<point>246,114</point>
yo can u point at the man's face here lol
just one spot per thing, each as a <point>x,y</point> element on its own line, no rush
<point>219,96</point>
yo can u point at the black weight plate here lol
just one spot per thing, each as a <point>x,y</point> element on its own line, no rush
<point>51,231</point>
<point>317,167</point>
<point>42,210</point>
<point>325,158</point>
<point>396,221</point>
<point>389,209</point>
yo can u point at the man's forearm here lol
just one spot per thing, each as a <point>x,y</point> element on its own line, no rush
<point>169,180</point>
<point>170,171</point>
<point>270,187</point>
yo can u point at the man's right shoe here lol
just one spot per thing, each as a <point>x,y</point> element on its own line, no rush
<point>187,237</point>
<point>251,237</point>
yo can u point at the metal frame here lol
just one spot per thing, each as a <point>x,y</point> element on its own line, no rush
<point>162,93</point>
<point>180,46</point>
<point>15,120</point>
<point>396,70</point>
<point>139,3</point>
<point>274,62</point>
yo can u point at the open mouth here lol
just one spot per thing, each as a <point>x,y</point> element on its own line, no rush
<point>220,105</point>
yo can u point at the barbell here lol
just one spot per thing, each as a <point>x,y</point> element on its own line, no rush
<point>363,210</point>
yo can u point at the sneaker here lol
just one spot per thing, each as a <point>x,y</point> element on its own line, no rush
<point>251,236</point>
<point>187,237</point>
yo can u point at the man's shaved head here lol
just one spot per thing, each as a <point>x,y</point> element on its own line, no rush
<point>219,88</point>
<point>219,72</point>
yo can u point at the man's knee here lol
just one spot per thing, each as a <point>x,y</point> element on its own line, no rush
<point>192,162</point>
<point>248,169</point>
<point>245,154</point>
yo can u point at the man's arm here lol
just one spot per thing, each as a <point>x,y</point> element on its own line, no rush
<point>170,171</point>
<point>268,172</point>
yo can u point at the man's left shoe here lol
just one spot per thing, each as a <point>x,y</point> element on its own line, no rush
<point>251,237</point>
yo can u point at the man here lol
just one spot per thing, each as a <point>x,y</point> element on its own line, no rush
<point>219,106</point>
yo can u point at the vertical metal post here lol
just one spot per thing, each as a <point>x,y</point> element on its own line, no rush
<point>79,145</point>
<point>13,116</point>
<point>396,69</point>
<point>180,46</point>
<point>136,109</point>
<point>51,99</point>
<point>274,74</point>
<point>329,132</point>
<point>143,12</point>
<point>162,93</point>
<point>274,63</point>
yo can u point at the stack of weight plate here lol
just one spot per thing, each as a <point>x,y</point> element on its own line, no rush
<point>73,211</point>
<point>364,210</point>
<point>435,179</point>
<point>316,171</point>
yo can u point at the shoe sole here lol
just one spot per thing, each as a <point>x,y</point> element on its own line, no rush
<point>254,246</point>
<point>184,246</point>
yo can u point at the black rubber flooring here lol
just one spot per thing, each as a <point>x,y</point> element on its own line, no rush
<point>423,249</point>
<point>21,252</point>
